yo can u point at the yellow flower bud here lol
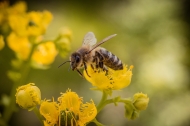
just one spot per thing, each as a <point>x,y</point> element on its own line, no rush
<point>2,43</point>
<point>63,46</point>
<point>28,96</point>
<point>66,32</point>
<point>140,101</point>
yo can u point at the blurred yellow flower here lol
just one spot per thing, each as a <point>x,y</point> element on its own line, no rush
<point>72,107</point>
<point>2,43</point>
<point>113,80</point>
<point>30,24</point>
<point>18,8</point>
<point>20,45</point>
<point>45,53</point>
<point>50,112</point>
<point>3,7</point>
<point>28,96</point>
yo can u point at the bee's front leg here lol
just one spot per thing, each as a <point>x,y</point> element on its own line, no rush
<point>85,67</point>
<point>80,73</point>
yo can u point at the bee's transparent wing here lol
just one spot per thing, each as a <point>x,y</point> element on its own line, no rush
<point>89,39</point>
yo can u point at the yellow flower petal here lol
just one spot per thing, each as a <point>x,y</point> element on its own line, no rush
<point>18,8</point>
<point>70,101</point>
<point>113,80</point>
<point>88,112</point>
<point>50,112</point>
<point>28,96</point>
<point>20,45</point>
<point>45,53</point>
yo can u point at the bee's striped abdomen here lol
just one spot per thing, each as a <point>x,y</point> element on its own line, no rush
<point>110,59</point>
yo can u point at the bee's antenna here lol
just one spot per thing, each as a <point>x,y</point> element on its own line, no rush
<point>63,63</point>
<point>104,40</point>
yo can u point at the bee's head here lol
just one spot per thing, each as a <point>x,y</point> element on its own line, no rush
<point>76,60</point>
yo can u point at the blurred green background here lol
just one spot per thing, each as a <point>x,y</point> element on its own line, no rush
<point>152,35</point>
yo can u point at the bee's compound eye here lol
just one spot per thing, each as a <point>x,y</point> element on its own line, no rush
<point>77,59</point>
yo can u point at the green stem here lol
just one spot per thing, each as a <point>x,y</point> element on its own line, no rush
<point>96,122</point>
<point>101,104</point>
<point>12,105</point>
<point>24,73</point>
<point>36,111</point>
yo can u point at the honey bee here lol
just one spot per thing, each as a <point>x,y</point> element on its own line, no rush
<point>91,54</point>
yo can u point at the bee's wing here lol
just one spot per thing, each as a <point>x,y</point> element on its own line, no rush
<point>89,39</point>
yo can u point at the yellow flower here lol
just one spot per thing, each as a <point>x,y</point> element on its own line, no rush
<point>50,112</point>
<point>3,7</point>
<point>38,22</point>
<point>18,8</point>
<point>140,101</point>
<point>2,43</point>
<point>113,80</point>
<point>5,11</point>
<point>30,24</point>
<point>45,53</point>
<point>73,111</point>
<point>20,45</point>
<point>28,96</point>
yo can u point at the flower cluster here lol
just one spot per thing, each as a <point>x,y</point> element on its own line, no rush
<point>23,32</point>
<point>107,81</point>
<point>69,110</point>
<point>25,39</point>
<point>26,31</point>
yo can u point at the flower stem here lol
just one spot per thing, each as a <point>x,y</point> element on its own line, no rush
<point>11,107</point>
<point>36,111</point>
<point>96,122</point>
<point>24,70</point>
<point>101,104</point>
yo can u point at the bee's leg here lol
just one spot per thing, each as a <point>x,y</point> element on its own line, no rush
<point>85,67</point>
<point>105,68</point>
<point>100,60</point>
<point>92,66</point>
<point>97,65</point>
<point>101,65</point>
<point>96,59</point>
<point>80,73</point>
